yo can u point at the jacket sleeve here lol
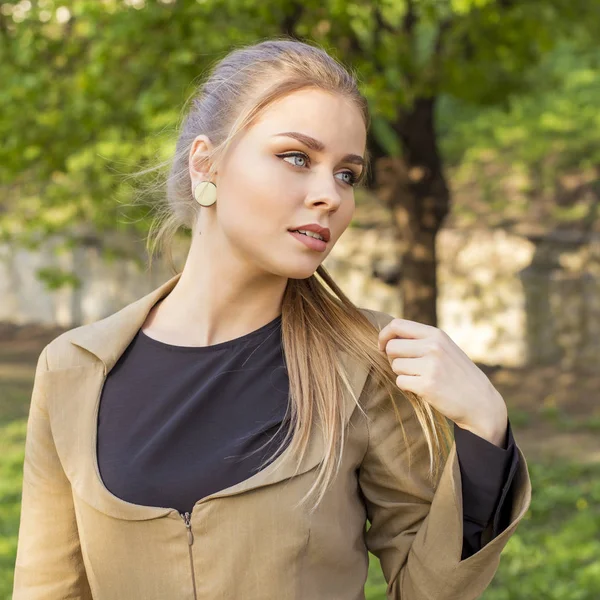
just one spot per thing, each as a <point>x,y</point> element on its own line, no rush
<point>485,470</point>
<point>49,563</point>
<point>416,527</point>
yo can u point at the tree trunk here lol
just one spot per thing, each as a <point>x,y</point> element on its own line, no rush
<point>420,201</point>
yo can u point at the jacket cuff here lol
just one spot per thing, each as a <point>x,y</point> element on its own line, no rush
<point>436,552</point>
<point>484,469</point>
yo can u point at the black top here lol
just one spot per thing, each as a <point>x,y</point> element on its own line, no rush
<point>178,423</point>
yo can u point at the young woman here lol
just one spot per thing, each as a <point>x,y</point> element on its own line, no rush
<point>243,432</point>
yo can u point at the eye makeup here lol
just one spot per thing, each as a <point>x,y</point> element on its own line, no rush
<point>353,176</point>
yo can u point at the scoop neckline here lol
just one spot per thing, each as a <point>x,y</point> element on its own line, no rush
<point>248,338</point>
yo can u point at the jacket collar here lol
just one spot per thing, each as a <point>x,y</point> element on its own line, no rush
<point>108,338</point>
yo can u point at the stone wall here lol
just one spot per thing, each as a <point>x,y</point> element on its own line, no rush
<point>504,298</point>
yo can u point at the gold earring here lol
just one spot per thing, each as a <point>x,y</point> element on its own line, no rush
<point>205,193</point>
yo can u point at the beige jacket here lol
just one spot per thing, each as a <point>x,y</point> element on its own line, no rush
<point>79,541</point>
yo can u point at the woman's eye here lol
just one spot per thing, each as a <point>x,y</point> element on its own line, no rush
<point>294,155</point>
<point>352,177</point>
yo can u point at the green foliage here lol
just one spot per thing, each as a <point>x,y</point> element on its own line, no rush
<point>555,553</point>
<point>93,90</point>
<point>536,142</point>
<point>56,278</point>
<point>557,117</point>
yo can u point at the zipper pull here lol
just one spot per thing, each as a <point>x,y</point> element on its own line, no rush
<point>186,518</point>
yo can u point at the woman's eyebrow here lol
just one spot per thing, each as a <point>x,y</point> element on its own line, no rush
<point>318,146</point>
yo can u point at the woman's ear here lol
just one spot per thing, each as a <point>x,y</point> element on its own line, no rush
<point>198,158</point>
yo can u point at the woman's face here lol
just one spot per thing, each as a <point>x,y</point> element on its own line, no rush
<point>270,183</point>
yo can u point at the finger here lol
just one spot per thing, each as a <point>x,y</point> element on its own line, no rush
<point>410,383</point>
<point>405,348</point>
<point>408,366</point>
<point>405,329</point>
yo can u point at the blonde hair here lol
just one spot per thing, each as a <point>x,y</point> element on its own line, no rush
<point>315,322</point>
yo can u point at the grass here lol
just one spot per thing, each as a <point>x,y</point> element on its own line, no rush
<point>555,553</point>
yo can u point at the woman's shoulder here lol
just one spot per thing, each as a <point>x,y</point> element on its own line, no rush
<point>377,317</point>
<point>69,348</point>
<point>63,353</point>
<point>106,338</point>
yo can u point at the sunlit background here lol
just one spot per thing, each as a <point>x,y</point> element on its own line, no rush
<point>481,216</point>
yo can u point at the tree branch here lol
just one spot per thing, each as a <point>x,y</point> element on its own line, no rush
<point>291,20</point>
<point>410,19</point>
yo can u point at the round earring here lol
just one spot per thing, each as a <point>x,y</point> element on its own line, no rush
<point>205,193</point>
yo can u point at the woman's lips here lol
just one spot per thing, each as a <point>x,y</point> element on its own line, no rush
<point>311,242</point>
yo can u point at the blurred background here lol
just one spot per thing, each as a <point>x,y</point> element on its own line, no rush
<point>481,216</point>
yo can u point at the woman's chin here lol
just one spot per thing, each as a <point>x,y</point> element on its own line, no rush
<point>302,273</point>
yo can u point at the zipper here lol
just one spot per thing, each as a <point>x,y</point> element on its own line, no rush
<point>186,519</point>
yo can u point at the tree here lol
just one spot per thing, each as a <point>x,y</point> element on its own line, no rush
<point>86,90</point>
<point>413,52</point>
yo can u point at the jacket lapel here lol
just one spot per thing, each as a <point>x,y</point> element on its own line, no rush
<point>108,338</point>
<point>73,389</point>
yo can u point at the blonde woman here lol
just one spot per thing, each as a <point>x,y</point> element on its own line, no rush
<point>244,431</point>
